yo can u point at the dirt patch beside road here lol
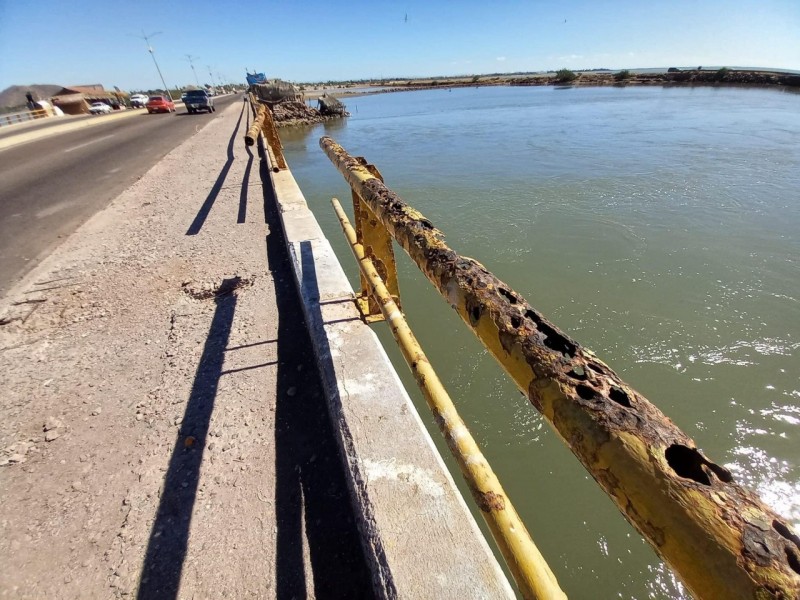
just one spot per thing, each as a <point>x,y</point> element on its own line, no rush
<point>163,428</point>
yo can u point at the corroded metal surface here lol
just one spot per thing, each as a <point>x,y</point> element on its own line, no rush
<point>718,537</point>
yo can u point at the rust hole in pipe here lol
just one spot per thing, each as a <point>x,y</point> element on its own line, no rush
<point>785,532</point>
<point>793,560</point>
<point>578,372</point>
<point>552,338</point>
<point>792,556</point>
<point>690,464</point>
<point>596,369</point>
<point>475,314</point>
<point>508,295</point>
<point>585,392</point>
<point>516,322</point>
<point>619,396</point>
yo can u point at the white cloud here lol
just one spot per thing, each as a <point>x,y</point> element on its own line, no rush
<point>501,58</point>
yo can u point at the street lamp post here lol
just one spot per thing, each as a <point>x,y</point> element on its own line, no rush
<point>211,76</point>
<point>191,58</point>
<point>146,39</point>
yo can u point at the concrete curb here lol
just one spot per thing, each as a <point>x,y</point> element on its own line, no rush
<point>418,535</point>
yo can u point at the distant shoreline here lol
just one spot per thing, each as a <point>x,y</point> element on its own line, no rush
<point>683,77</point>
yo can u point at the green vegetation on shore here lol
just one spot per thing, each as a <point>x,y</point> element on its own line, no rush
<point>565,76</point>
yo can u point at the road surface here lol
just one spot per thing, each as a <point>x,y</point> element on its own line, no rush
<point>51,186</point>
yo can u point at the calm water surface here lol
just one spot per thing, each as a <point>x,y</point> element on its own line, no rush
<point>659,227</point>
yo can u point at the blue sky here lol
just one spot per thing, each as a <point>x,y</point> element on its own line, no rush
<point>47,41</point>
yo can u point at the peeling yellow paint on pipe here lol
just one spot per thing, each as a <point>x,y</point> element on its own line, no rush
<point>529,569</point>
<point>720,539</point>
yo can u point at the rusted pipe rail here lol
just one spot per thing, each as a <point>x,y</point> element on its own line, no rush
<point>720,539</point>
<point>257,125</point>
<point>263,123</point>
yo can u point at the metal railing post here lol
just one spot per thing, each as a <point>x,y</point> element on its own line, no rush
<point>377,244</point>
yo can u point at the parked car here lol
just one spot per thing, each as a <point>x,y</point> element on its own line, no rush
<point>160,104</point>
<point>138,100</point>
<point>197,100</point>
<point>98,108</point>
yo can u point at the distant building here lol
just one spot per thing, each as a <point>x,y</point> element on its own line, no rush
<point>75,100</point>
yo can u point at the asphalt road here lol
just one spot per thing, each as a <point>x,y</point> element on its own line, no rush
<point>49,187</point>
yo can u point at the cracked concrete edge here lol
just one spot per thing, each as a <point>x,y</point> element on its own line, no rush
<point>419,538</point>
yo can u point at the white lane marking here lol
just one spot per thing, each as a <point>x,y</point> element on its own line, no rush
<point>54,208</point>
<point>115,170</point>
<point>100,139</point>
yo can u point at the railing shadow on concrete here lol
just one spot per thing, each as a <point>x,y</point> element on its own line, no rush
<point>169,536</point>
<point>208,203</point>
<point>311,490</point>
<point>242,216</point>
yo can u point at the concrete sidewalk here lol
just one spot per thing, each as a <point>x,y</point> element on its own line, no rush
<point>164,432</point>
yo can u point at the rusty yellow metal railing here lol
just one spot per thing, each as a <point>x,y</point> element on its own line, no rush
<point>529,569</point>
<point>263,124</point>
<point>719,538</point>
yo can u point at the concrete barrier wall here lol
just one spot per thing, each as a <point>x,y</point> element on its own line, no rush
<point>418,535</point>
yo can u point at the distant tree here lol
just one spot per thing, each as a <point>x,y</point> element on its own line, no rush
<point>722,74</point>
<point>565,75</point>
<point>622,75</point>
<point>475,78</point>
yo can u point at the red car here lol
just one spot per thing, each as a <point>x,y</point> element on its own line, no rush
<point>160,104</point>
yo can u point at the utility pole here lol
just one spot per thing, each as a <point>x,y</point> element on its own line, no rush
<point>146,39</point>
<point>191,60</point>
<point>211,76</point>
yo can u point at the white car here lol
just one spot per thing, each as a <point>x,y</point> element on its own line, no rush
<point>98,108</point>
<point>138,100</point>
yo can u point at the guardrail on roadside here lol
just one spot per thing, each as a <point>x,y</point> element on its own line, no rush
<point>23,116</point>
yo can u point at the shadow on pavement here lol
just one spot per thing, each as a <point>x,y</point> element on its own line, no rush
<point>166,548</point>
<point>311,496</point>
<point>242,217</point>
<point>205,209</point>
